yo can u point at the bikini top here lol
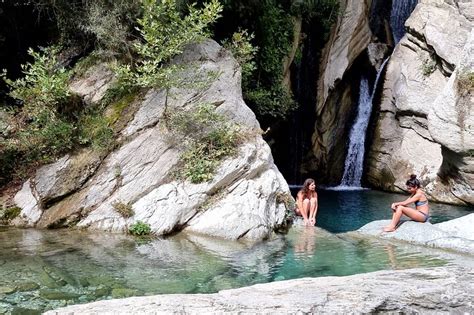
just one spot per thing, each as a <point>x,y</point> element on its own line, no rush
<point>421,203</point>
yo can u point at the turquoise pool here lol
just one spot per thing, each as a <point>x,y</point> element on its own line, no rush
<point>46,269</point>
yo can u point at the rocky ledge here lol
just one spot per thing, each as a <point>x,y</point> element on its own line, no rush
<point>439,290</point>
<point>456,234</point>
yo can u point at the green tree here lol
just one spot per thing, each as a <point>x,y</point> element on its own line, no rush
<point>165,33</point>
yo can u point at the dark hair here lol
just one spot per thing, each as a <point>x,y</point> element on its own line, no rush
<point>305,188</point>
<point>413,182</point>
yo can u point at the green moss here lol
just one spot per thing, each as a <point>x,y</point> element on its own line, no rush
<point>115,110</point>
<point>10,213</point>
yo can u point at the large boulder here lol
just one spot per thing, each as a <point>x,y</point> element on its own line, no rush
<point>423,124</point>
<point>243,200</point>
<point>456,234</point>
<point>441,290</point>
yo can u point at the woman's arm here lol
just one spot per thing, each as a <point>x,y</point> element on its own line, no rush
<point>409,200</point>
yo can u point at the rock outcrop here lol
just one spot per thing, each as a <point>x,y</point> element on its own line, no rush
<point>456,235</point>
<point>243,200</point>
<point>437,290</point>
<point>425,123</point>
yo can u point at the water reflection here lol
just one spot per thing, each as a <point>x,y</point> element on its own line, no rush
<point>306,242</point>
<point>42,270</point>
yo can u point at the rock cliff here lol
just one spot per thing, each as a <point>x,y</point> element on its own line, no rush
<point>335,96</point>
<point>243,200</point>
<point>425,123</point>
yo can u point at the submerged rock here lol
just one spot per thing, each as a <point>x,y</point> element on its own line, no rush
<point>438,290</point>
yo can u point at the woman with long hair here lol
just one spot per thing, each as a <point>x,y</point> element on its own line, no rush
<point>421,211</point>
<point>307,202</point>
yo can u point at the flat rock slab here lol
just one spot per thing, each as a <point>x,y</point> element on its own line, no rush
<point>451,235</point>
<point>439,290</point>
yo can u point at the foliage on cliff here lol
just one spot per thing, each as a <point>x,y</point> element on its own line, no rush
<point>143,35</point>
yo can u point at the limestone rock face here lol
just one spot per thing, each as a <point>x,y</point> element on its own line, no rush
<point>93,85</point>
<point>242,200</point>
<point>449,290</point>
<point>349,38</point>
<point>65,175</point>
<point>424,125</point>
<point>30,211</point>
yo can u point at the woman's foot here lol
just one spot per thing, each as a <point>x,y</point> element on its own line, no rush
<point>312,222</point>
<point>389,228</point>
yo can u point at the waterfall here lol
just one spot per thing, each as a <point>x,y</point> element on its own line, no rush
<point>354,163</point>
<point>401,10</point>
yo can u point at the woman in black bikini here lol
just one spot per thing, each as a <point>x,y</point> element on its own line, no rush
<point>421,211</point>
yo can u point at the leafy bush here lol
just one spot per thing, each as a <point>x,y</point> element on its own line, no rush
<point>139,228</point>
<point>465,82</point>
<point>125,209</point>
<point>51,121</point>
<point>428,66</point>
<point>107,24</point>
<point>42,126</point>
<point>44,86</point>
<point>165,33</point>
<point>274,102</point>
<point>244,52</point>
<point>207,138</point>
<point>110,24</point>
<point>10,213</point>
<point>94,130</point>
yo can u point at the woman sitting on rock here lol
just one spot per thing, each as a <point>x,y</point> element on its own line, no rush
<point>421,211</point>
<point>307,202</point>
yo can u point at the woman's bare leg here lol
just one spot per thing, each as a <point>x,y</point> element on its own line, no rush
<point>400,210</point>
<point>312,211</point>
<point>305,211</point>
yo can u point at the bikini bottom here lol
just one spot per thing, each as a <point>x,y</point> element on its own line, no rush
<point>427,217</point>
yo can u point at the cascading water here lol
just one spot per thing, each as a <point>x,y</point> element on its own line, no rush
<point>354,163</point>
<point>401,10</point>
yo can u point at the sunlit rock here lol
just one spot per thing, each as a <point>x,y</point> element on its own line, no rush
<point>422,105</point>
<point>450,290</point>
<point>139,173</point>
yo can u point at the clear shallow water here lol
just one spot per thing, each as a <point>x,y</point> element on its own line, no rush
<point>42,270</point>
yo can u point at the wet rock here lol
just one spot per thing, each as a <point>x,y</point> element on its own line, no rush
<point>58,295</point>
<point>24,311</point>
<point>100,292</point>
<point>7,290</point>
<point>27,286</point>
<point>118,293</point>
<point>30,210</point>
